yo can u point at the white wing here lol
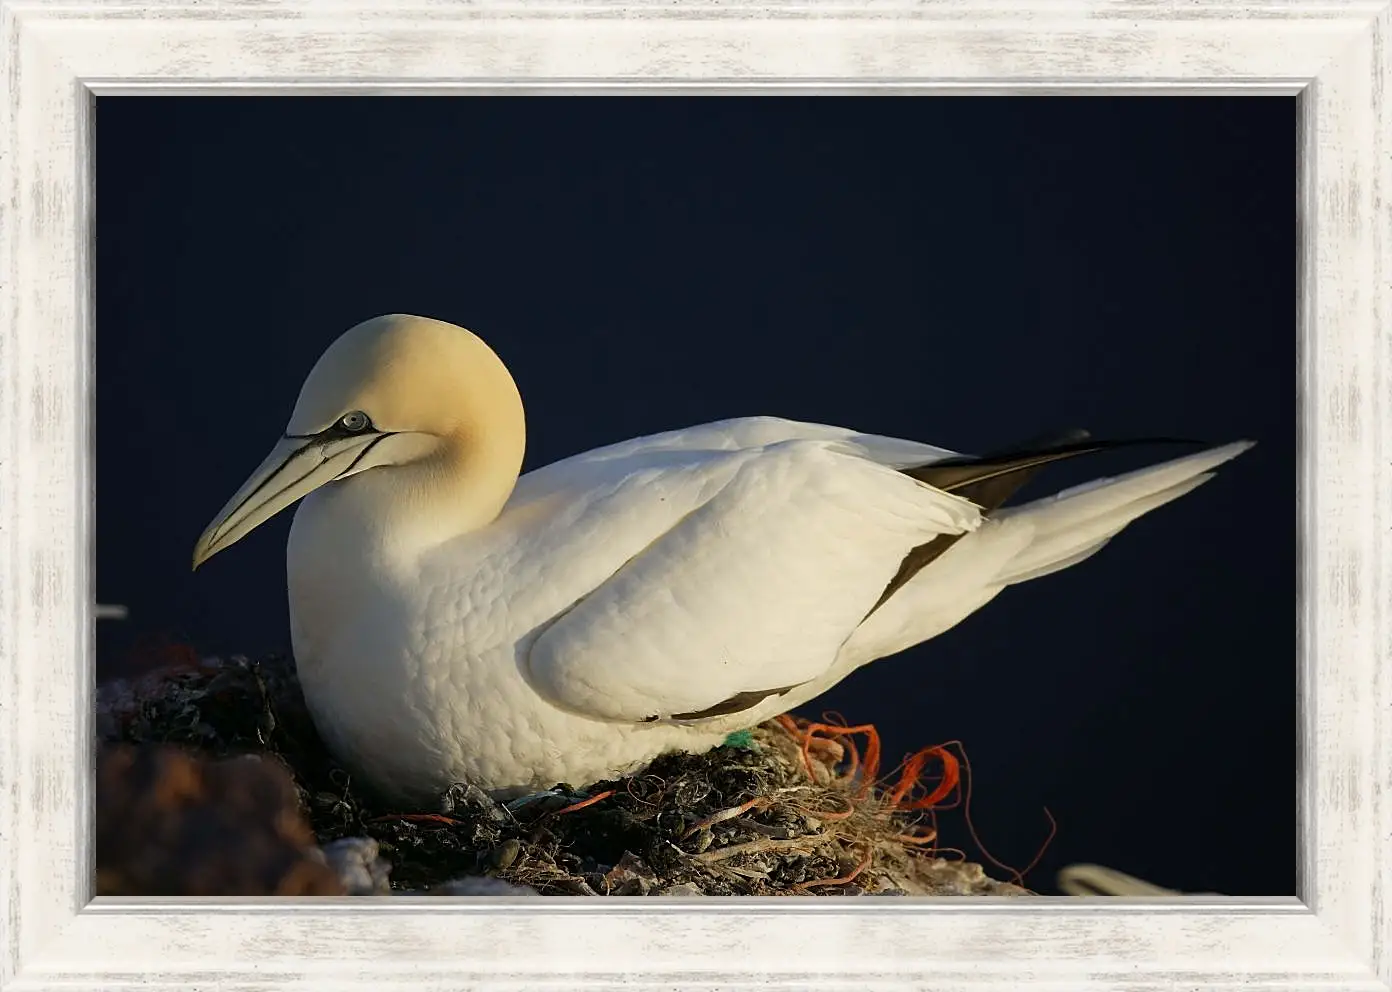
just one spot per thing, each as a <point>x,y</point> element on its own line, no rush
<point>736,434</point>
<point>723,573</point>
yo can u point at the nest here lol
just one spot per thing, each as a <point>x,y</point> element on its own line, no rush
<point>789,808</point>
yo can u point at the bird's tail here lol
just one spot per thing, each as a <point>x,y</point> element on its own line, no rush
<point>1075,523</point>
<point>1018,542</point>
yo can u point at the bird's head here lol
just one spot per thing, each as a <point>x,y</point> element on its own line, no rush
<point>392,392</point>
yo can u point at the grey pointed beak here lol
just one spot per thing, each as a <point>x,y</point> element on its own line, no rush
<point>295,467</point>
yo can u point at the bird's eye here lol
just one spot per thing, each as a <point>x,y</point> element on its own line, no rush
<point>355,421</point>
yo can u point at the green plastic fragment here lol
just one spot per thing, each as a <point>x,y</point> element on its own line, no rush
<point>743,739</point>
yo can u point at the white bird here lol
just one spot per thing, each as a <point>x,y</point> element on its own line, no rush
<point>452,622</point>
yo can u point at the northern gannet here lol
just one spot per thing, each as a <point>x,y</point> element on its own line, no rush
<point>452,622</point>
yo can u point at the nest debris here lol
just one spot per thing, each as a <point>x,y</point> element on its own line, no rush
<point>789,808</point>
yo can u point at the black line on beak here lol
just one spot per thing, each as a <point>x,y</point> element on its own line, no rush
<point>269,478</point>
<point>366,448</point>
<point>248,496</point>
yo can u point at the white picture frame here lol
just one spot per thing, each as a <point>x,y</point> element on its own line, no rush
<point>60,54</point>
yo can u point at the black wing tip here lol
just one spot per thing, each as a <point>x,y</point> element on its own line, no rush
<point>1050,440</point>
<point>1076,440</point>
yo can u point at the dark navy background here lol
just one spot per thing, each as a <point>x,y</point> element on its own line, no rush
<point>968,272</point>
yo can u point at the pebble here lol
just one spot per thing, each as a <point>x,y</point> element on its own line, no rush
<point>502,856</point>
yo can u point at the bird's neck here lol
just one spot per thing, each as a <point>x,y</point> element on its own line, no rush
<point>464,488</point>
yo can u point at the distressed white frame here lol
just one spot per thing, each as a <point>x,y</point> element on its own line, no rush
<point>58,54</point>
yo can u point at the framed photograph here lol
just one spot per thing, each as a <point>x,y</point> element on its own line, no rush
<point>974,226</point>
